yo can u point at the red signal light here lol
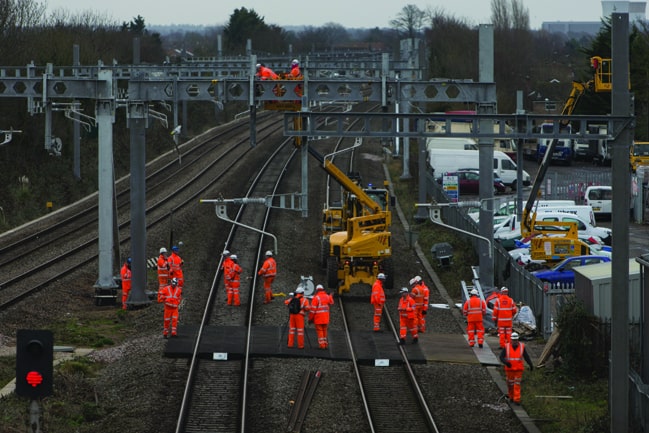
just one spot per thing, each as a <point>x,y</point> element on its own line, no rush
<point>34,378</point>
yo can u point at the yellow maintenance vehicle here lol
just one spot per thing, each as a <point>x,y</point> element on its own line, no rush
<point>638,155</point>
<point>356,238</point>
<point>553,242</point>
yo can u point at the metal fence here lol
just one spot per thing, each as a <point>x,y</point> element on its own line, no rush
<point>544,299</point>
<point>572,185</point>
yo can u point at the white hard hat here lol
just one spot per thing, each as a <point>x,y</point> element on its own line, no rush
<point>381,276</point>
<point>418,279</point>
<point>269,253</point>
<point>174,281</point>
<point>412,281</point>
<point>163,250</point>
<point>474,292</point>
<point>234,257</point>
<point>226,252</point>
<point>504,289</point>
<point>514,336</point>
<point>299,290</point>
<point>258,65</point>
<point>291,294</point>
<point>404,290</point>
<point>319,287</point>
<point>295,62</point>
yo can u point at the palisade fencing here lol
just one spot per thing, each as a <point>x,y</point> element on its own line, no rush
<point>572,185</point>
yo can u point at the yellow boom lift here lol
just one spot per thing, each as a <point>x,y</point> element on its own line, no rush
<point>554,240</point>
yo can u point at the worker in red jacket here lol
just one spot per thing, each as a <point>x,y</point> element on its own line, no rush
<point>126,275</point>
<point>503,313</point>
<point>235,281</point>
<point>512,356</point>
<point>377,299</point>
<point>163,269</point>
<point>296,319</point>
<point>473,309</point>
<point>170,296</point>
<point>407,317</point>
<point>176,266</point>
<point>319,314</point>
<point>268,272</point>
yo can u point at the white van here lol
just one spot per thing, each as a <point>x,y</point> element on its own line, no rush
<point>504,210</point>
<point>511,229</point>
<point>458,143</point>
<point>448,160</point>
<point>600,198</point>
<point>585,212</point>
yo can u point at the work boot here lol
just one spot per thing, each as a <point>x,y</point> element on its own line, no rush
<point>415,340</point>
<point>402,341</point>
<point>480,345</point>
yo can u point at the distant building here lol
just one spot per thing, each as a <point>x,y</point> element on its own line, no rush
<point>636,11</point>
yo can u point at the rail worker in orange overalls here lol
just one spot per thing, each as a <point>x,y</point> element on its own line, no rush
<point>512,356</point>
<point>296,74</point>
<point>176,266</point>
<point>126,275</point>
<point>503,314</point>
<point>424,303</point>
<point>235,281</point>
<point>407,317</point>
<point>170,295</point>
<point>473,309</point>
<point>163,269</point>
<point>226,266</point>
<point>265,73</point>
<point>319,314</point>
<point>268,271</point>
<point>417,293</point>
<point>296,320</point>
<point>377,299</point>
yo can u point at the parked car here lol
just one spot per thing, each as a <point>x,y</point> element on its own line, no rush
<point>469,182</point>
<point>563,271</point>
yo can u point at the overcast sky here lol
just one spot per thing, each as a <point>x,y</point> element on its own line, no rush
<point>351,14</point>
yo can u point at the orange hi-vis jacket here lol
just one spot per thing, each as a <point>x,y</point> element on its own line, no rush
<point>227,268</point>
<point>235,275</point>
<point>320,307</point>
<point>407,307</point>
<point>163,267</point>
<point>378,294</point>
<point>504,310</point>
<point>295,72</point>
<point>125,274</point>
<point>175,266</point>
<point>515,357</point>
<point>426,294</point>
<point>269,268</point>
<point>170,296</point>
<point>267,74</point>
<point>417,293</point>
<point>474,308</point>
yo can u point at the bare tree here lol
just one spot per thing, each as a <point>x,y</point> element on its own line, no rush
<point>520,16</point>
<point>409,21</point>
<point>500,16</point>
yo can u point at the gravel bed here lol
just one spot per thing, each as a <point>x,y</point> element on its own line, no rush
<point>139,390</point>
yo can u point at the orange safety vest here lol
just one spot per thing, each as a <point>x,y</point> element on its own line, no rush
<point>504,310</point>
<point>320,307</point>
<point>407,307</point>
<point>125,274</point>
<point>171,296</point>
<point>378,295</point>
<point>163,267</point>
<point>515,357</point>
<point>175,266</point>
<point>269,268</point>
<point>474,308</point>
<point>235,275</point>
<point>418,295</point>
<point>426,291</point>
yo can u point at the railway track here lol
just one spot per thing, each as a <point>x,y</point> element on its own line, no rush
<point>68,241</point>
